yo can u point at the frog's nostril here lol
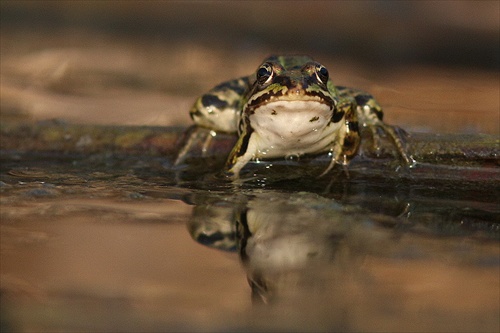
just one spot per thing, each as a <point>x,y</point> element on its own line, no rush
<point>296,89</point>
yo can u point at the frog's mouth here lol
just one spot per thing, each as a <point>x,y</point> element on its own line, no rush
<point>293,96</point>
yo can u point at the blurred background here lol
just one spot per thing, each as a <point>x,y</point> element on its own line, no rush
<point>433,65</point>
<point>95,243</point>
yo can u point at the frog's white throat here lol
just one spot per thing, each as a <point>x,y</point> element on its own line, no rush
<point>293,126</point>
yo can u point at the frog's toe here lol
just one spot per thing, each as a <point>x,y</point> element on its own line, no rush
<point>376,145</point>
<point>229,174</point>
<point>192,136</point>
<point>398,137</point>
<point>329,168</point>
<point>409,160</point>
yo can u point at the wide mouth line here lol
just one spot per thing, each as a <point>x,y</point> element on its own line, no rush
<point>277,99</point>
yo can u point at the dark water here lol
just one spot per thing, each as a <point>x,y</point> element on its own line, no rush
<point>109,242</point>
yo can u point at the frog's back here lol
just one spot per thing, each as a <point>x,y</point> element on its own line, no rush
<point>290,61</point>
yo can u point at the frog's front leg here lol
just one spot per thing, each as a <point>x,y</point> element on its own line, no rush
<point>346,145</point>
<point>242,153</point>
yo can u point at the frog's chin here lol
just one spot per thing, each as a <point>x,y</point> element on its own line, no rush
<point>291,119</point>
<point>294,126</point>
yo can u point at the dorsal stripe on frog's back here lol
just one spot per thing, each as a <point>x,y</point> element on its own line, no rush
<point>291,62</point>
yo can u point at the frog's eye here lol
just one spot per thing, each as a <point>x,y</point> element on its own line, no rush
<point>264,73</point>
<point>322,73</point>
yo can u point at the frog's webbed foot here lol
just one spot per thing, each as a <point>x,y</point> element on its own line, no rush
<point>195,135</point>
<point>397,137</point>
<point>338,157</point>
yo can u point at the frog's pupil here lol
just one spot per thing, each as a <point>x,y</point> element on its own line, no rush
<point>322,74</point>
<point>263,74</point>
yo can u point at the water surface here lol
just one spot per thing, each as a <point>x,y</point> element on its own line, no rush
<point>104,242</point>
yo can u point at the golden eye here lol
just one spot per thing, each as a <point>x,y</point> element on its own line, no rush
<point>322,73</point>
<point>264,73</point>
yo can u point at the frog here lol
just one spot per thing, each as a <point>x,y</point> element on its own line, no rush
<point>290,107</point>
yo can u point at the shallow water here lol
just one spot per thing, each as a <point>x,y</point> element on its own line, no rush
<point>104,242</point>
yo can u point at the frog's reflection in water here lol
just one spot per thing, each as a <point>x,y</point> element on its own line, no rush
<point>291,245</point>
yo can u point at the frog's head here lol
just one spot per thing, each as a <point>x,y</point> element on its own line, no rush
<point>291,78</point>
<point>293,92</point>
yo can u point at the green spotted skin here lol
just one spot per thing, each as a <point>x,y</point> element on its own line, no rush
<point>289,107</point>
